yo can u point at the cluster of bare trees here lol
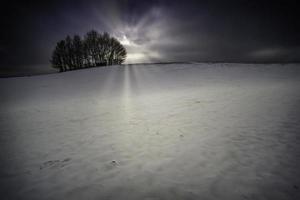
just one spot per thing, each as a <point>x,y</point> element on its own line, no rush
<point>93,50</point>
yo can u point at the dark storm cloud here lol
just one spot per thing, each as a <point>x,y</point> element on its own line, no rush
<point>155,30</point>
<point>233,31</point>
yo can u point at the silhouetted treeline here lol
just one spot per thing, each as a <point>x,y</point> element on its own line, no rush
<point>93,50</point>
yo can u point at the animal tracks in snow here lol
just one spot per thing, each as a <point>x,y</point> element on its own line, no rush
<point>54,164</point>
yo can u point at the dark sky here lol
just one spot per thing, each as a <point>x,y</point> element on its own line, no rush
<point>154,30</point>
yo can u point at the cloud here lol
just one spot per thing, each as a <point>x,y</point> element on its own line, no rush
<point>268,52</point>
<point>278,54</point>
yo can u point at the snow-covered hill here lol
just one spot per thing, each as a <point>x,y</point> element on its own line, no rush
<point>178,131</point>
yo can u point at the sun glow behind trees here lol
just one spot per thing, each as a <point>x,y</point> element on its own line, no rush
<point>143,37</point>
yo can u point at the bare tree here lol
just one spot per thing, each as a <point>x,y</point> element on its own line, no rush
<point>78,51</point>
<point>91,40</point>
<point>58,59</point>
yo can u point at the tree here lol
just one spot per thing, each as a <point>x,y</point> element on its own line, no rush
<point>118,52</point>
<point>58,60</point>
<point>106,47</point>
<point>94,50</point>
<point>70,57</point>
<point>91,40</point>
<point>78,51</point>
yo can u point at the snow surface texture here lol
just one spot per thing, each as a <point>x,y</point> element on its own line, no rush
<point>178,131</point>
